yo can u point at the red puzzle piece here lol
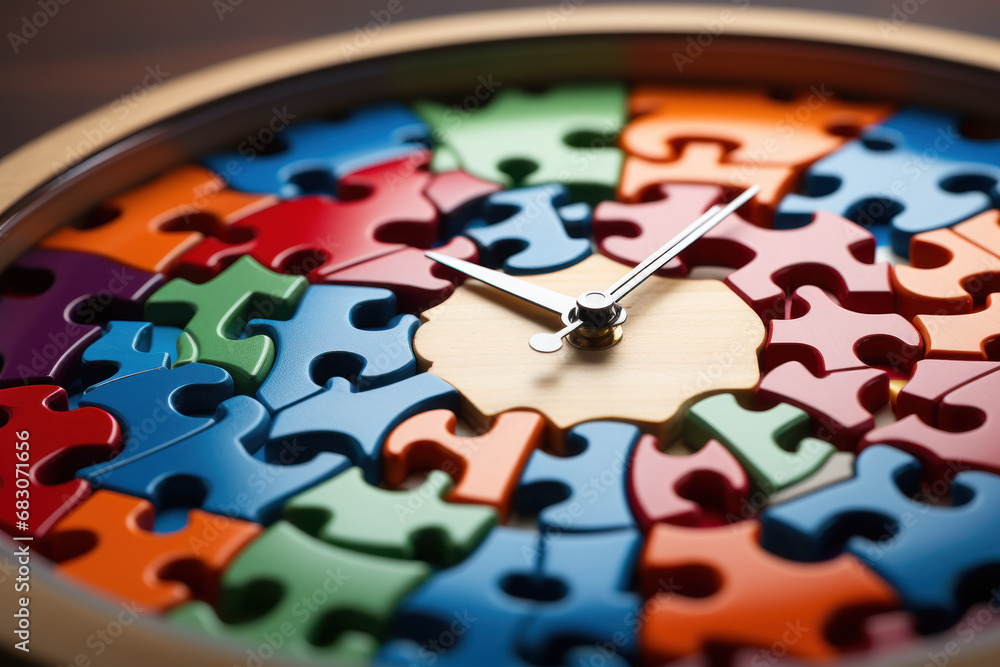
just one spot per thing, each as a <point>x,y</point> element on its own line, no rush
<point>382,209</point>
<point>47,442</point>
<point>707,488</point>
<point>840,403</point>
<point>456,194</point>
<point>932,379</point>
<point>827,338</point>
<point>108,543</point>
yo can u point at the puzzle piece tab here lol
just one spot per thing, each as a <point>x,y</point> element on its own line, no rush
<point>44,442</point>
<point>312,156</point>
<point>412,524</point>
<point>127,348</point>
<point>152,225</point>
<point>934,556</point>
<point>586,490</point>
<point>532,230</point>
<point>711,586</point>
<point>330,603</point>
<point>214,316</point>
<point>772,445</point>
<point>344,331</point>
<point>970,336</point>
<point>564,135</point>
<point>107,543</point>
<point>52,305</point>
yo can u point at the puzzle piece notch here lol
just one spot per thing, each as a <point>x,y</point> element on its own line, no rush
<point>313,156</point>
<point>52,306</point>
<point>152,225</point>
<point>350,332</point>
<point>703,489</point>
<point>381,210</point>
<point>970,336</point>
<point>45,443</point>
<point>937,557</point>
<point>486,467</point>
<point>841,404</point>
<point>416,524</point>
<point>336,602</point>
<point>214,315</point>
<point>107,543</point>
<point>704,587</point>
<point>585,491</point>
<point>826,337</point>
<point>773,445</point>
<point>127,348</point>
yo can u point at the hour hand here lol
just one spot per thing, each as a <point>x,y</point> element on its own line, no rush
<point>540,296</point>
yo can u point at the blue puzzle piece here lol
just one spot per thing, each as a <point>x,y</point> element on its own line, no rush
<point>214,469</point>
<point>935,556</point>
<point>127,348</point>
<point>586,491</point>
<point>337,331</point>
<point>317,153</point>
<point>914,170</point>
<point>158,407</point>
<point>355,423</point>
<point>532,230</point>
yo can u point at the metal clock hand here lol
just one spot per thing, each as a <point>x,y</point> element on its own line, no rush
<point>540,296</point>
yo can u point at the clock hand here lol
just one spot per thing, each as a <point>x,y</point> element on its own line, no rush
<point>522,289</point>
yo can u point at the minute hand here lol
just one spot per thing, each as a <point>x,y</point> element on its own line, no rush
<point>674,246</point>
<point>522,289</point>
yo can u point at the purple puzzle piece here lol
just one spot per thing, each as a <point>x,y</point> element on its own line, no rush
<point>52,306</point>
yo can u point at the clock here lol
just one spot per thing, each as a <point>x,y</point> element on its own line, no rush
<point>578,336</point>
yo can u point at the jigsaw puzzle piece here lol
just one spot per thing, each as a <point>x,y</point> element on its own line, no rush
<point>214,317</point>
<point>380,210</point>
<point>52,305</point>
<point>416,524</point>
<point>458,196</point>
<point>664,116</point>
<point>215,471</point>
<point>772,445</point>
<point>327,602</point>
<point>706,587</point>
<point>158,408</point>
<point>983,230</point>
<point>931,380</point>
<point>970,336</point>
<point>532,230</point>
<point>349,332</point>
<point>947,275</point>
<point>826,337</point>
<point>564,135</point>
<point>44,443</point>
<point>127,348</point>
<point>841,404</point>
<point>356,423</point>
<point>107,543</point>
<point>417,281</point>
<point>936,557</point>
<point>706,488</point>
<point>586,490</point>
<point>951,178</point>
<point>486,467</point>
<point>312,156</point>
<point>150,226</point>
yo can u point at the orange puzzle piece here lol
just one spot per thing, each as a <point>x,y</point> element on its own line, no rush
<point>968,336</point>
<point>108,542</point>
<point>983,230</point>
<point>157,222</point>
<point>947,274</point>
<point>485,467</point>
<point>712,586</point>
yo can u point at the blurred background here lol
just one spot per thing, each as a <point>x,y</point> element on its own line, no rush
<point>62,58</point>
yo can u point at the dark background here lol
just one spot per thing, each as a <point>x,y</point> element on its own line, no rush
<point>94,51</point>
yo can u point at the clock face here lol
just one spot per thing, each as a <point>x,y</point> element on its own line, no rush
<point>240,397</point>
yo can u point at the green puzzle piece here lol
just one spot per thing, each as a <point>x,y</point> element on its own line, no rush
<point>313,600</point>
<point>565,135</point>
<point>417,523</point>
<point>215,314</point>
<point>772,445</point>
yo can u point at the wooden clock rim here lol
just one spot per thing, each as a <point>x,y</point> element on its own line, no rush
<point>31,176</point>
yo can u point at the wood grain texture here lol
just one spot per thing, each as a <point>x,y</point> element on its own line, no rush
<point>684,339</point>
